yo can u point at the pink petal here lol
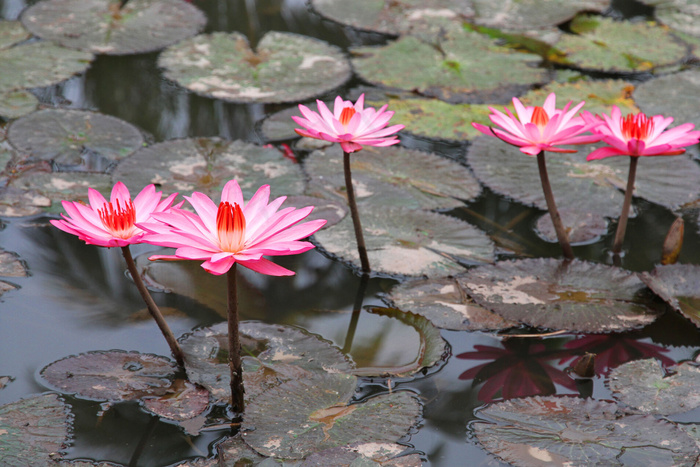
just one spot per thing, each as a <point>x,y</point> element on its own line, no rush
<point>264,266</point>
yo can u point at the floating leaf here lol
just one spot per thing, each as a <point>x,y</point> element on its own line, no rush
<point>364,455</point>
<point>573,296</point>
<point>33,431</point>
<point>11,33</point>
<point>678,14</point>
<point>574,431</point>
<point>582,227</point>
<point>332,210</point>
<point>679,286</point>
<point>677,95</point>
<point>234,451</point>
<point>285,67</point>
<point>206,164</point>
<point>111,376</point>
<point>673,243</point>
<point>11,265</point>
<point>99,26</point>
<point>407,242</point>
<point>6,287</point>
<point>5,380</point>
<point>531,14</point>
<point>15,104</point>
<point>47,190</point>
<point>182,401</point>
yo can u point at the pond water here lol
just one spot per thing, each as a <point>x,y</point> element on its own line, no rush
<point>78,299</point>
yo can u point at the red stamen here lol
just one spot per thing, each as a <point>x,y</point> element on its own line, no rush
<point>346,115</point>
<point>119,221</point>
<point>539,117</point>
<point>230,222</point>
<point>637,126</point>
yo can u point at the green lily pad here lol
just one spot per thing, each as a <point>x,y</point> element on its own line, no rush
<point>678,14</point>
<point>75,138</point>
<point>446,304</point>
<point>574,431</point>
<point>285,67</point>
<point>111,376</point>
<point>676,95</point>
<point>364,455</point>
<point>466,66</point>
<point>16,104</point>
<point>304,416</point>
<point>206,164</point>
<point>11,265</point>
<point>394,176</point>
<point>33,431</point>
<point>574,296</point>
<point>332,210</point>
<point>99,26</point>
<point>531,14</point>
<point>645,386</point>
<point>679,286</point>
<point>604,44</point>
<point>582,227</point>
<point>407,242</point>
<point>39,64</point>
<point>11,33</point>
<point>182,401</point>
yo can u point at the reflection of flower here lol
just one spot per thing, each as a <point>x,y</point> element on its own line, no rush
<point>349,124</point>
<point>519,369</point>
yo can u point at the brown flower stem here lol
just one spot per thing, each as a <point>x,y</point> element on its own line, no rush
<point>361,248</point>
<point>234,344</point>
<point>153,308</point>
<point>553,212</point>
<point>622,222</point>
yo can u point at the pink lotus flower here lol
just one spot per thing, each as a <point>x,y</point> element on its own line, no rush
<point>639,135</point>
<point>112,223</point>
<point>350,124</point>
<point>539,129</point>
<point>233,232</point>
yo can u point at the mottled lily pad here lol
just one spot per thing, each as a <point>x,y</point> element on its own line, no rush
<point>683,15</point>
<point>182,401</point>
<point>364,455</point>
<point>676,95</point>
<point>285,67</point>
<point>47,190</point>
<point>332,210</point>
<point>15,104</point>
<point>582,227</point>
<point>573,296</point>
<point>206,164</point>
<point>11,33</point>
<point>394,176</point>
<point>75,138</point>
<point>531,14</point>
<point>11,265</point>
<point>303,416</point>
<point>99,26</point>
<point>406,242</point>
<point>572,431</point>
<point>33,431</point>
<point>679,286</point>
<point>111,376</point>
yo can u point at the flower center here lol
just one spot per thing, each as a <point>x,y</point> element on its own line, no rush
<point>230,223</point>
<point>539,118</point>
<point>346,115</point>
<point>120,220</point>
<point>637,126</point>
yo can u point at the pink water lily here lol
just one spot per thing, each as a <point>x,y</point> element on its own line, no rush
<point>351,125</point>
<point>234,231</point>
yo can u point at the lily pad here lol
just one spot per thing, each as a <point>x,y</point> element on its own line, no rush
<point>645,386</point>
<point>182,401</point>
<point>394,176</point>
<point>11,33</point>
<point>531,14</point>
<point>47,190</point>
<point>285,67</point>
<point>574,296</point>
<point>572,431</point>
<point>332,210</point>
<point>75,138</point>
<point>5,380</point>
<point>679,286</point>
<point>582,227</point>
<point>99,26</point>
<point>406,242</point>
<point>206,164</point>
<point>16,104</point>
<point>11,265</point>
<point>603,44</point>
<point>111,376</point>
<point>466,67</point>
<point>280,127</point>
<point>33,431</point>
<point>304,416</point>
<point>683,15</point>
<point>6,287</point>
<point>39,64</point>
<point>677,95</point>
<point>446,304</point>
<point>364,455</point>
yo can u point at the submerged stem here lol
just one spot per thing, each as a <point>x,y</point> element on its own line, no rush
<point>622,222</point>
<point>553,212</point>
<point>361,248</point>
<point>153,308</point>
<point>234,344</point>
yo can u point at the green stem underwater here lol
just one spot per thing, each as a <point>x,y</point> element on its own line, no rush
<point>629,192</point>
<point>361,248</point>
<point>553,212</point>
<point>234,344</point>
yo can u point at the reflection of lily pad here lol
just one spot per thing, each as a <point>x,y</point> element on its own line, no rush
<point>47,190</point>
<point>676,95</point>
<point>285,67</point>
<point>364,455</point>
<point>407,242</point>
<point>206,164</point>
<point>573,431</point>
<point>531,14</point>
<point>574,296</point>
<point>643,385</point>
<point>111,376</point>
<point>15,104</point>
<point>182,401</point>
<point>582,227</point>
<point>679,286</point>
<point>11,33</point>
<point>98,26</point>
<point>33,431</point>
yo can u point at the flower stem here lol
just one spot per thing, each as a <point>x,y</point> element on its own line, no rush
<point>234,344</point>
<point>361,248</point>
<point>153,308</point>
<point>553,212</point>
<point>356,310</point>
<point>629,191</point>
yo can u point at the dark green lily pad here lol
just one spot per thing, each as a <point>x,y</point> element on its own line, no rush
<point>16,104</point>
<point>466,66</point>
<point>574,431</point>
<point>679,286</point>
<point>547,293</point>
<point>111,376</point>
<point>394,176</point>
<point>645,386</point>
<point>406,242</point>
<point>75,138</point>
<point>98,26</point>
<point>39,64</point>
<point>363,455</point>
<point>304,416</point>
<point>678,14</point>
<point>531,14</point>
<point>285,67</point>
<point>676,95</point>
<point>582,227</point>
<point>33,431</point>
<point>11,265</point>
<point>182,401</point>
<point>446,304</point>
<point>206,164</point>
<point>604,44</point>
<point>11,33</point>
